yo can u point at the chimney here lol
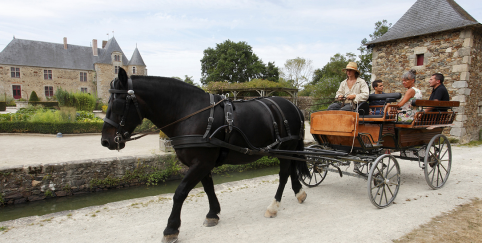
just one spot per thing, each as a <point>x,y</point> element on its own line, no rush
<point>94,47</point>
<point>65,43</point>
<point>103,44</point>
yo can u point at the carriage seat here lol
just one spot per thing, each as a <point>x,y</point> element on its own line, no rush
<point>386,97</point>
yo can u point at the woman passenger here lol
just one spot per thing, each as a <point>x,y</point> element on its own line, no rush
<point>412,93</point>
<point>354,89</point>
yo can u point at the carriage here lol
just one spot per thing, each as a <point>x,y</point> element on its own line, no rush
<point>373,143</point>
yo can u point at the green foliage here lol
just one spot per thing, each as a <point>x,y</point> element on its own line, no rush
<point>234,62</point>
<point>48,193</point>
<point>81,101</point>
<point>263,162</point>
<point>3,106</point>
<point>298,71</point>
<point>255,83</point>
<point>365,62</point>
<point>50,128</point>
<point>146,126</point>
<point>66,114</point>
<point>34,97</point>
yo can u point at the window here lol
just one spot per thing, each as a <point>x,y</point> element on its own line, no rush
<point>15,72</point>
<point>49,91</point>
<point>116,57</point>
<point>17,91</point>
<point>47,74</point>
<point>83,89</point>
<point>419,59</point>
<point>116,69</point>
<point>83,76</point>
<point>133,70</point>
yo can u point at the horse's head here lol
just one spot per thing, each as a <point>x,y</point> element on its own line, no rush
<point>123,113</point>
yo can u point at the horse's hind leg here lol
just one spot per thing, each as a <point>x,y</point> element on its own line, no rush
<point>295,183</point>
<point>193,176</point>
<point>284,172</point>
<point>214,207</point>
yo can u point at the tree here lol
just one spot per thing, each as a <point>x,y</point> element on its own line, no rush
<point>233,62</point>
<point>189,80</point>
<point>271,72</point>
<point>298,71</point>
<point>365,63</point>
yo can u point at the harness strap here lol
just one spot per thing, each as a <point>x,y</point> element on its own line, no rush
<point>211,114</point>
<point>275,125</point>
<point>285,121</point>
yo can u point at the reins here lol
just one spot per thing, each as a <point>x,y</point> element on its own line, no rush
<point>140,135</point>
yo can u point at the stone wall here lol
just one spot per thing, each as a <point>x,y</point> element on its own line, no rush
<point>32,79</point>
<point>106,73</point>
<point>454,54</point>
<point>37,182</point>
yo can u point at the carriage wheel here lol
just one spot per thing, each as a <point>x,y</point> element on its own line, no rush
<point>438,161</point>
<point>362,169</point>
<point>384,181</point>
<point>318,170</point>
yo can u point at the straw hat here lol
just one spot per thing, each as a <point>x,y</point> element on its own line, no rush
<point>352,66</point>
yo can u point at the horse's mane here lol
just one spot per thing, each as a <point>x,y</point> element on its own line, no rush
<point>156,79</point>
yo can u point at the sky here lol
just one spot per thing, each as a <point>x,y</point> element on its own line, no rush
<point>172,35</point>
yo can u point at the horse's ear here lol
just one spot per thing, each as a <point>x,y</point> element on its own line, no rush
<point>122,77</point>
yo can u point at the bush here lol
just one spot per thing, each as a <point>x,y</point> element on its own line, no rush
<point>50,128</point>
<point>33,97</point>
<point>81,101</point>
<point>3,106</point>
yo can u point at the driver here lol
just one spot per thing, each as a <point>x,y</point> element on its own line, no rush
<point>353,88</point>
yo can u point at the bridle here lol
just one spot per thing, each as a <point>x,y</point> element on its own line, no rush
<point>121,135</point>
<point>124,136</point>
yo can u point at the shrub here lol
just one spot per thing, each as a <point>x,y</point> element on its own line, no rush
<point>81,101</point>
<point>33,97</point>
<point>50,128</point>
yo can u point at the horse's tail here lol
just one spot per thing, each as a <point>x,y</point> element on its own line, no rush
<point>301,166</point>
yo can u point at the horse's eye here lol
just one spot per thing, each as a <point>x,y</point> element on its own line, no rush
<point>118,106</point>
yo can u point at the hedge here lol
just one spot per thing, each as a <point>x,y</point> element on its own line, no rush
<point>3,106</point>
<point>45,104</point>
<point>50,128</point>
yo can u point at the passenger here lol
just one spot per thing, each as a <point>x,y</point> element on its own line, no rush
<point>378,87</point>
<point>412,93</point>
<point>439,92</point>
<point>353,88</point>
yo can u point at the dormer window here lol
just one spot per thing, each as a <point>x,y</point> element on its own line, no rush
<point>117,58</point>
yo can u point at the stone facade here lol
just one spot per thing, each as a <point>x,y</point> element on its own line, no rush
<point>454,53</point>
<point>32,79</point>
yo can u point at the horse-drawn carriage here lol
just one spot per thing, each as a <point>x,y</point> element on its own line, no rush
<point>209,130</point>
<point>372,143</point>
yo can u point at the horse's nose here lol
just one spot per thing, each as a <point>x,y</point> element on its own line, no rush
<point>104,142</point>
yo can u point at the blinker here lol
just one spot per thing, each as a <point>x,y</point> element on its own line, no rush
<point>118,106</point>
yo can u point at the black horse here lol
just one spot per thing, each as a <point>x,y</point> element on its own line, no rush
<point>244,133</point>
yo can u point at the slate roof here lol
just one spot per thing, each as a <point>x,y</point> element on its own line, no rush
<point>428,16</point>
<point>110,47</point>
<point>136,58</point>
<point>46,54</point>
<point>53,55</point>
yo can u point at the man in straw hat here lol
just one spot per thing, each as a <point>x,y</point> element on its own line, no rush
<point>354,89</point>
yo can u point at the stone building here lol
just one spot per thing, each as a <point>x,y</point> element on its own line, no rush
<point>436,36</point>
<point>27,66</point>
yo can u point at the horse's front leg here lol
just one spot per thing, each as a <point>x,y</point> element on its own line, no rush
<point>192,178</point>
<point>212,218</point>
<point>284,172</point>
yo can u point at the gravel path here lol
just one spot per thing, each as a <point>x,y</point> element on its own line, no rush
<point>336,211</point>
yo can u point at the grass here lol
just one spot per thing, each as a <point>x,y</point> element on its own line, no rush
<point>462,225</point>
<point>473,143</point>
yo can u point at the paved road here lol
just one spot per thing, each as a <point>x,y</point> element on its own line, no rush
<point>336,211</point>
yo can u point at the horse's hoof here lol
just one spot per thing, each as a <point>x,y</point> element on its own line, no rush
<point>170,238</point>
<point>209,222</point>
<point>301,196</point>
<point>269,214</point>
